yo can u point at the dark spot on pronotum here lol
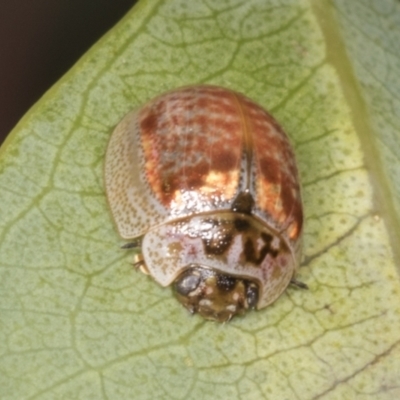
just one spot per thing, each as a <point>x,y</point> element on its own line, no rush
<point>219,243</point>
<point>251,253</point>
<point>268,239</point>
<point>249,250</point>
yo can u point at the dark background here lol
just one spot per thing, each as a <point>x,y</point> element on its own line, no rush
<point>40,40</point>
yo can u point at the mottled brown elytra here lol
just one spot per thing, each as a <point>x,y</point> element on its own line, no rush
<point>205,182</point>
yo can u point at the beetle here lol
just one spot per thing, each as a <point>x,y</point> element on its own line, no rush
<point>204,182</point>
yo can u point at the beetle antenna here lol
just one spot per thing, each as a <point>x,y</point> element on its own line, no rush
<point>131,245</point>
<point>298,284</point>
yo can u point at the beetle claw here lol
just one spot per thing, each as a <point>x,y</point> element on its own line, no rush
<point>141,266</point>
<point>138,264</point>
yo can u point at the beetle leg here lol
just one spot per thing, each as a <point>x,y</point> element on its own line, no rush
<point>299,284</point>
<point>139,263</point>
<point>229,318</point>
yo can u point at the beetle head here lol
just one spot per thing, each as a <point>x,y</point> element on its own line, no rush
<point>214,295</point>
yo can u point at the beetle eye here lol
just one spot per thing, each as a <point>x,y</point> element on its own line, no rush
<point>189,282</point>
<point>252,295</point>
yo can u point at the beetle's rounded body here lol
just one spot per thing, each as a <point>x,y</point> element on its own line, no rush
<point>208,180</point>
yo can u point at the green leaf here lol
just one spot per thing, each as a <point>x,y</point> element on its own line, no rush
<point>78,322</point>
